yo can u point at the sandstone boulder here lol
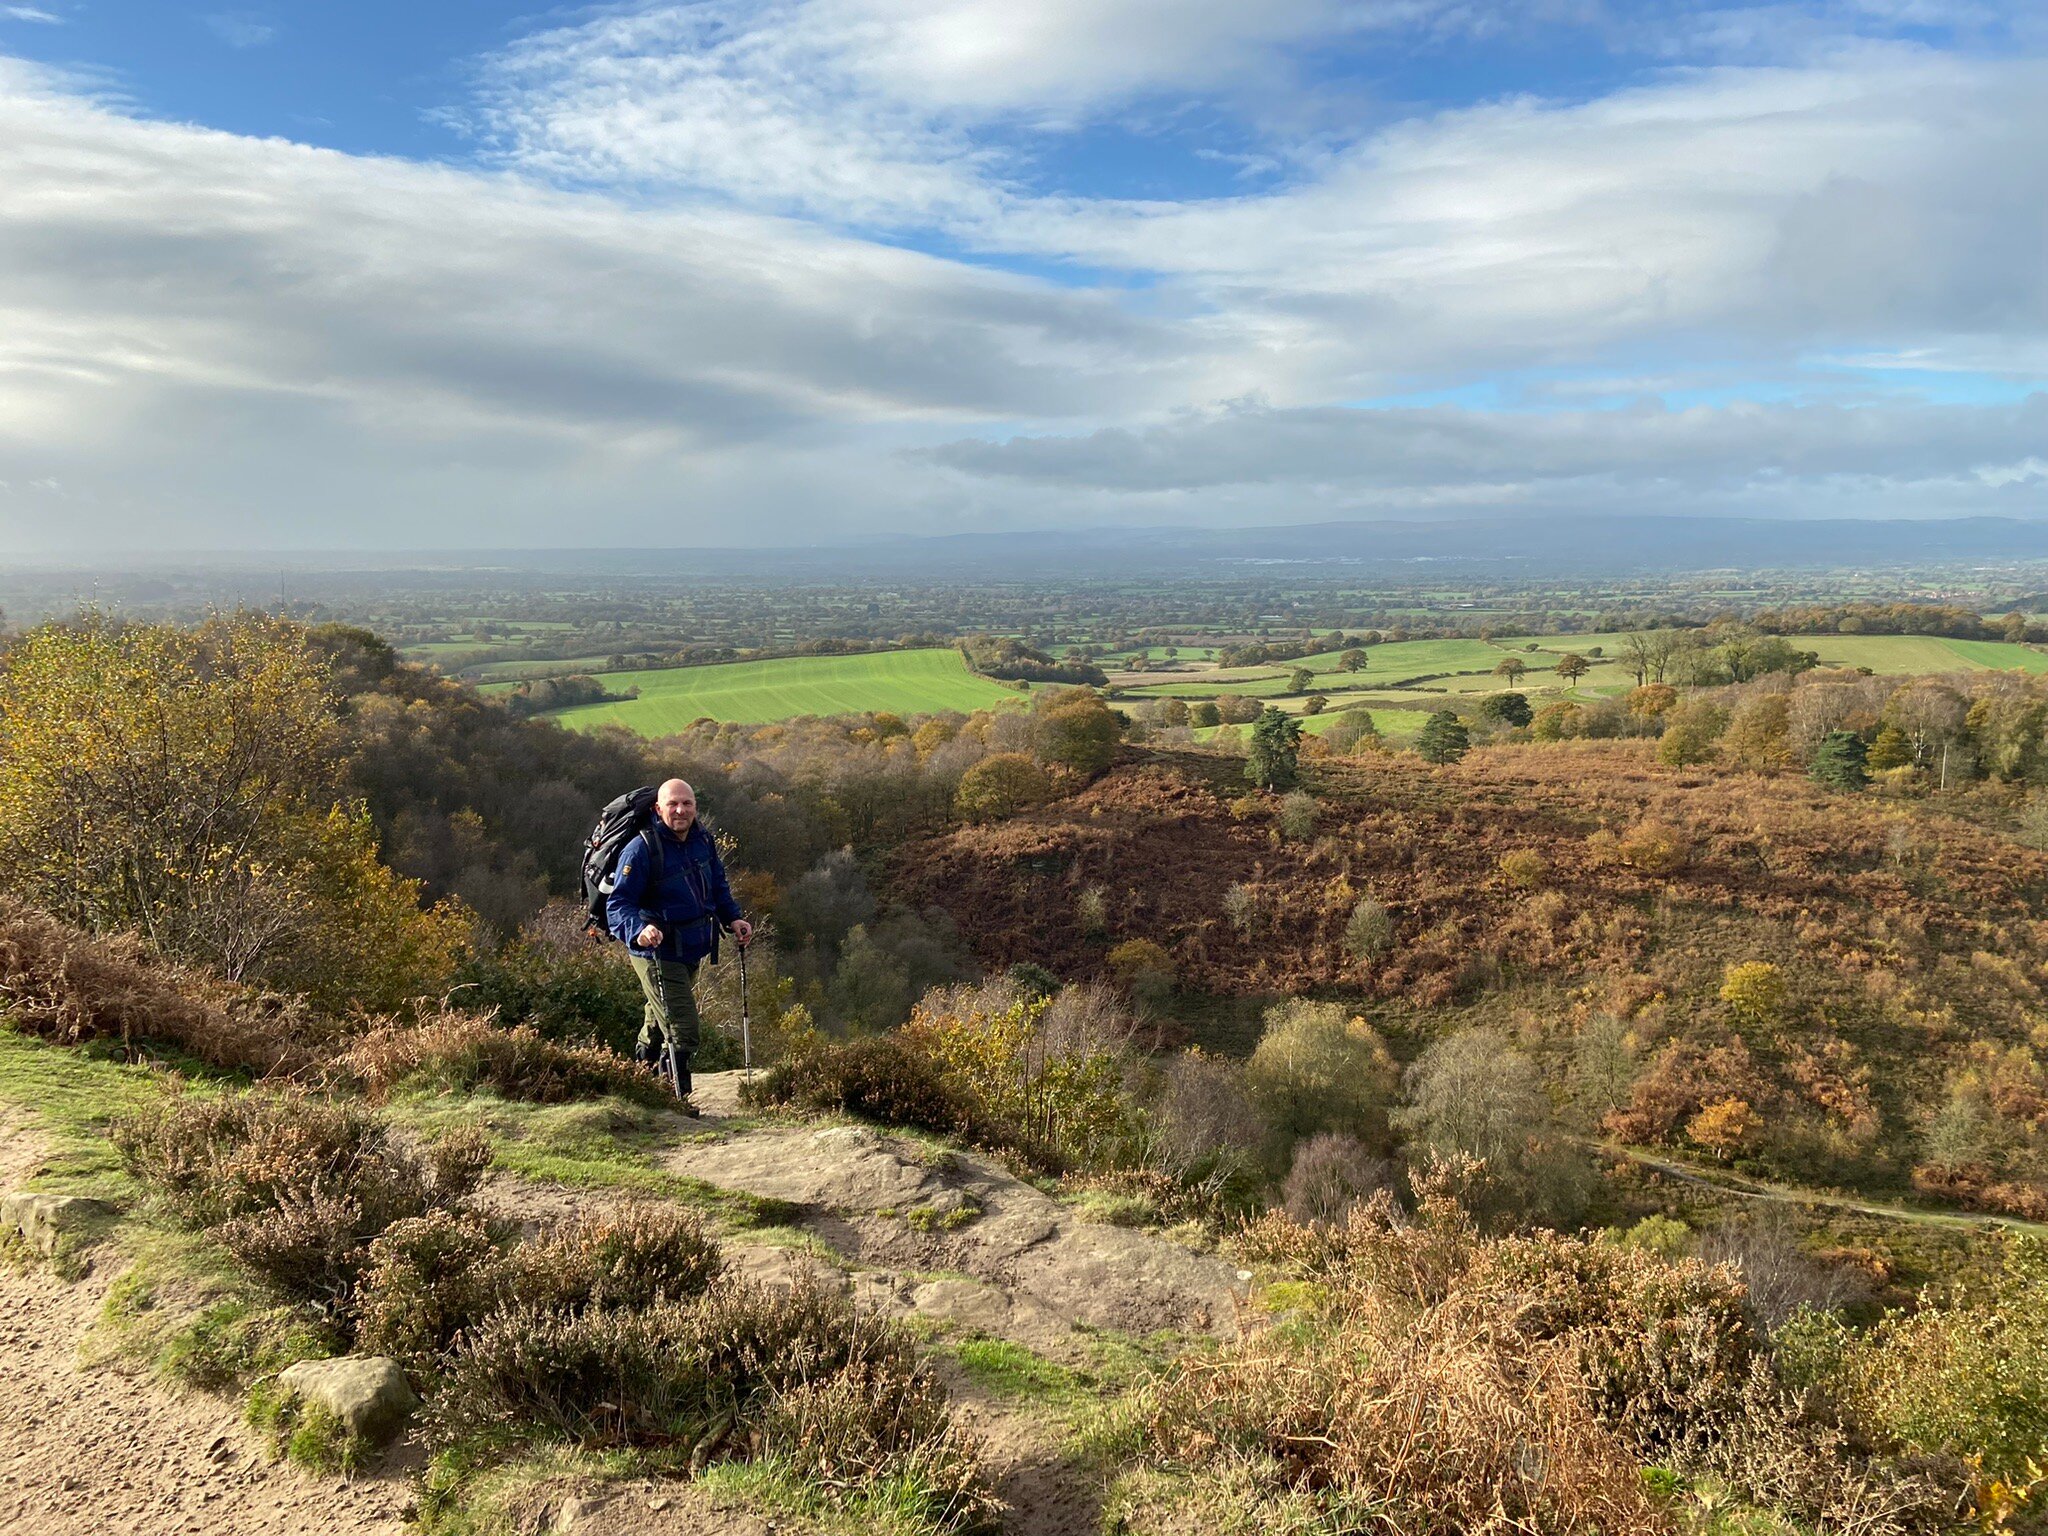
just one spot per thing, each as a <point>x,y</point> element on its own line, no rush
<point>367,1394</point>
<point>45,1220</point>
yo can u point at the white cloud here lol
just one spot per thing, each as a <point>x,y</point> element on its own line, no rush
<point>201,322</point>
<point>34,13</point>
<point>1889,199</point>
<point>1867,195</point>
<point>881,111</point>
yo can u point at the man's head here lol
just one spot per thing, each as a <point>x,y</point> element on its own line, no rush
<point>676,805</point>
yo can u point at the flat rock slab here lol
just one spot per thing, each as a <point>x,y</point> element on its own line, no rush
<point>368,1394</point>
<point>860,1185</point>
<point>845,1169</point>
<point>45,1220</point>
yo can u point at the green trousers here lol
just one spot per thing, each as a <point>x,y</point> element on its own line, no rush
<point>678,984</point>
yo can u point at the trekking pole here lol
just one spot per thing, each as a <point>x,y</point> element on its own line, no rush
<point>668,1029</point>
<point>746,1031</point>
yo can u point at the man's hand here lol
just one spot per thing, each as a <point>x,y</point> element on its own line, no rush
<point>648,937</point>
<point>743,931</point>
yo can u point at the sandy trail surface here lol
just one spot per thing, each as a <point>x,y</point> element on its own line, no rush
<point>102,1451</point>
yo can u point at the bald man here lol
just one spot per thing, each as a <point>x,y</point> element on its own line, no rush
<point>671,895</point>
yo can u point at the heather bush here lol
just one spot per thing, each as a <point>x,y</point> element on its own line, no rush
<point>1435,1414</point>
<point>295,1187</point>
<point>454,1052</point>
<point>637,1255</point>
<point>425,1279</point>
<point>1600,1357</point>
<point>799,1375</point>
<point>873,1077</point>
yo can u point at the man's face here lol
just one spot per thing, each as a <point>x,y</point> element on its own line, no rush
<point>677,807</point>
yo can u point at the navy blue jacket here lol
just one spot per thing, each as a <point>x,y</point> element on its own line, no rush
<point>686,897</point>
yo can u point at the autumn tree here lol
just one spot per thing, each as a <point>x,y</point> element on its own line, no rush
<point>1474,1095</point>
<point>1759,733</point>
<point>1650,701</point>
<point>1556,722</point>
<point>1077,731</point>
<point>1238,708</point>
<point>1890,750</point>
<point>1354,729</point>
<point>1754,991</point>
<point>1648,653</point>
<point>1000,785</point>
<point>1352,660</point>
<point>1318,1068</point>
<point>1510,668</point>
<point>1274,761</point>
<point>186,784</point>
<point>1571,666</point>
<point>1300,680</point>
<point>1690,730</point>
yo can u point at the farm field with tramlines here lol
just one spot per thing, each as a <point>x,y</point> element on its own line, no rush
<point>907,682</point>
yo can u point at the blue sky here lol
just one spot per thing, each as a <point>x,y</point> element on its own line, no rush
<point>786,270</point>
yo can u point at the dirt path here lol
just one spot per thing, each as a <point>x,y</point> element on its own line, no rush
<point>91,1449</point>
<point>88,1451</point>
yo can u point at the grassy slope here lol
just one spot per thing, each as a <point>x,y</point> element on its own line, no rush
<point>909,682</point>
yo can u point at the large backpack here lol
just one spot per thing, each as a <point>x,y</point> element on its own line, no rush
<point>617,825</point>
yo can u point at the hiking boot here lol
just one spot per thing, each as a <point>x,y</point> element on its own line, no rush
<point>685,1107</point>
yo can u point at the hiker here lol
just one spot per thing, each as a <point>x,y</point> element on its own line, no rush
<point>671,894</point>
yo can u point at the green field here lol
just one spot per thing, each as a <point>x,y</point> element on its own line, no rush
<point>493,670</point>
<point>1891,655</point>
<point>907,682</point>
<point>1393,724</point>
<point>1917,655</point>
<point>1458,665</point>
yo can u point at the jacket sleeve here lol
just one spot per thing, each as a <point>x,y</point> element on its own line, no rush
<point>721,890</point>
<point>622,910</point>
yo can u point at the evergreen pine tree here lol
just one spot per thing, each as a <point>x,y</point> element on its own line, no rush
<point>1839,762</point>
<point>1275,755</point>
<point>1443,738</point>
